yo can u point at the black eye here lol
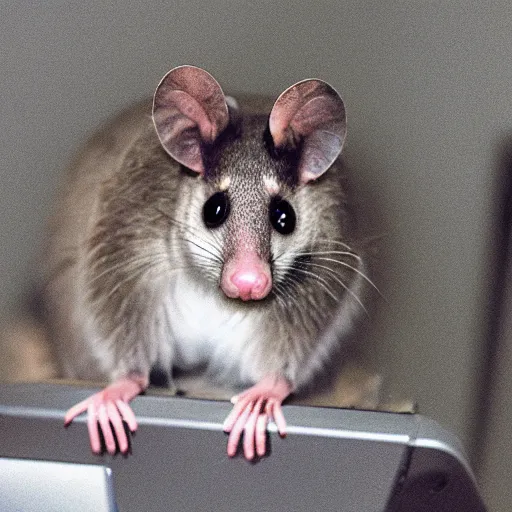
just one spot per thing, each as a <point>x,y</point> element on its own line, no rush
<point>216,210</point>
<point>282,216</point>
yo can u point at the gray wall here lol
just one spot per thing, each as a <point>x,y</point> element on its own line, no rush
<point>428,87</point>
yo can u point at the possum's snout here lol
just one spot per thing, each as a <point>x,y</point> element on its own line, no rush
<point>246,277</point>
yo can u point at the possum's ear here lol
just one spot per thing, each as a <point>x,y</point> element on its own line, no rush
<point>310,115</point>
<point>189,109</point>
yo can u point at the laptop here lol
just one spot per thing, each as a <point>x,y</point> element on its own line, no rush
<point>331,460</point>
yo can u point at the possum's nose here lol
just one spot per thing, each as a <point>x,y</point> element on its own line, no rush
<point>247,278</point>
<point>251,284</point>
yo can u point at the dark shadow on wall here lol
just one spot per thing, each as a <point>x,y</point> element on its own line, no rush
<point>498,265</point>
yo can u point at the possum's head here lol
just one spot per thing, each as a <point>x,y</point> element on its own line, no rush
<point>255,169</point>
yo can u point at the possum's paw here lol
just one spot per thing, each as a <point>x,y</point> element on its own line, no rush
<point>250,415</point>
<point>107,412</point>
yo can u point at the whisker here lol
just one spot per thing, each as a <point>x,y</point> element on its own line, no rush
<point>144,269</point>
<point>301,342</point>
<point>330,241</point>
<point>278,291</point>
<point>356,270</point>
<point>192,230</point>
<point>287,295</point>
<point>135,265</point>
<point>214,256</point>
<point>133,276</point>
<point>317,278</point>
<point>290,276</point>
<point>141,261</point>
<point>208,258</point>
<point>332,275</point>
<point>347,288</point>
<point>322,253</point>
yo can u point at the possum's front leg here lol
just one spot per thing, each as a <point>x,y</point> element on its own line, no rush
<point>251,412</point>
<point>106,411</point>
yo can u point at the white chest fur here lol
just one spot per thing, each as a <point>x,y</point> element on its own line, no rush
<point>205,331</point>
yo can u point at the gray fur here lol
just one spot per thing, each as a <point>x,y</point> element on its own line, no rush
<point>129,224</point>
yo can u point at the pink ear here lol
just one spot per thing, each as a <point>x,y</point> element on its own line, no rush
<point>313,113</point>
<point>189,108</point>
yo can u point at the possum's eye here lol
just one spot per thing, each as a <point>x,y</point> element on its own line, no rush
<point>216,210</point>
<point>282,215</point>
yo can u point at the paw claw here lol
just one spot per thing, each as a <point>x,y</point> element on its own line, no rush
<point>250,415</point>
<point>106,413</point>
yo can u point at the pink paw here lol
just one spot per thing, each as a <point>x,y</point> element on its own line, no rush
<point>251,412</point>
<point>106,411</point>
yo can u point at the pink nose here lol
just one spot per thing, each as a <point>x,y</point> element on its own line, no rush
<point>246,277</point>
<point>251,284</point>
